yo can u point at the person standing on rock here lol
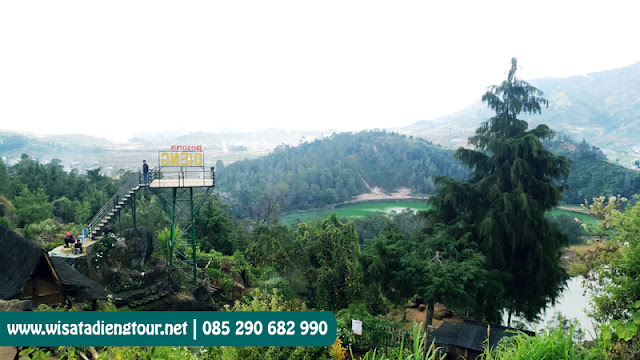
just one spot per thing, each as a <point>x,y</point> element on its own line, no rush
<point>145,171</point>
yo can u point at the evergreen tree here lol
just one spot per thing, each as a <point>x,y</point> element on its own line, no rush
<point>440,268</point>
<point>4,179</point>
<point>502,205</point>
<point>327,254</point>
<point>214,227</point>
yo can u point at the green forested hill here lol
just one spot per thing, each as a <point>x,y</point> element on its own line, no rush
<point>336,168</point>
<point>591,178</point>
<point>592,175</point>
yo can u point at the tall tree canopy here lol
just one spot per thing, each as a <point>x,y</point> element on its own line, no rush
<point>439,268</point>
<point>328,252</point>
<point>502,204</point>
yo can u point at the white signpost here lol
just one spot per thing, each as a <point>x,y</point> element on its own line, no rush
<point>356,326</point>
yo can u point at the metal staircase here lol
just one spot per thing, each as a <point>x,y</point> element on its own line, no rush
<point>114,205</point>
<point>174,186</point>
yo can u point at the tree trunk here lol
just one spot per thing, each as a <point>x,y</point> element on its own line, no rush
<point>427,325</point>
<point>509,319</point>
<point>430,311</point>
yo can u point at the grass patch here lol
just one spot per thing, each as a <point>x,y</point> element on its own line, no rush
<point>356,210</point>
<point>586,218</point>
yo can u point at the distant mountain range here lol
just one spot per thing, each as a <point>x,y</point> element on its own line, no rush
<point>602,107</point>
<point>84,152</point>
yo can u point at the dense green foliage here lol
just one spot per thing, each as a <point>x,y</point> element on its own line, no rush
<point>330,251</point>
<point>260,301</point>
<point>42,201</point>
<point>439,268</point>
<point>406,222</point>
<point>335,169</point>
<point>214,227</point>
<point>557,343</point>
<point>591,178</point>
<point>376,331</point>
<point>34,187</point>
<point>413,347</point>
<point>592,175</point>
<point>501,207</point>
<point>568,226</point>
<point>614,279</point>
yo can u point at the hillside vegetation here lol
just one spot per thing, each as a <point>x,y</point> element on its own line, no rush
<point>592,175</point>
<point>336,169</point>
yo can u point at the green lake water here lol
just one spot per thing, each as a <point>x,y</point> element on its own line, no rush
<point>356,210</point>
<point>364,208</point>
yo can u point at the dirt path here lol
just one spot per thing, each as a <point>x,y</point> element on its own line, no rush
<point>415,315</point>
<point>7,352</point>
<point>377,194</point>
<point>575,208</point>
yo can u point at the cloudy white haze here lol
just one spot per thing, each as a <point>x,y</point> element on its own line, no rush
<point>117,68</point>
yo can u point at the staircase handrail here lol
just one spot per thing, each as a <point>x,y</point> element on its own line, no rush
<point>131,183</point>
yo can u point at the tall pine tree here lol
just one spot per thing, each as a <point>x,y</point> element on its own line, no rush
<point>502,205</point>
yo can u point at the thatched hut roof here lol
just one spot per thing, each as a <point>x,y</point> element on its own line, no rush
<point>81,288</point>
<point>18,260</point>
<point>472,334</point>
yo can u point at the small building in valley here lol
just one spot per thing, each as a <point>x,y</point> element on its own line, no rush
<point>467,340</point>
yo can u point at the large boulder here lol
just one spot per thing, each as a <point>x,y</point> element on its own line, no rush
<point>181,302</point>
<point>442,312</point>
<point>202,291</point>
<point>122,254</point>
<point>158,273</point>
<point>139,246</point>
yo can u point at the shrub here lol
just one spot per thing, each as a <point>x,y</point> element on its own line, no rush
<point>569,226</point>
<point>376,332</point>
<point>45,227</point>
<point>5,222</point>
<point>53,245</point>
<point>417,351</point>
<point>553,344</point>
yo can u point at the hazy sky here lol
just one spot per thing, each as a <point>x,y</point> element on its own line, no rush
<point>114,68</point>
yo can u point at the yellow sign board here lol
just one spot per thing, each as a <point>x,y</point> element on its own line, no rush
<point>177,158</point>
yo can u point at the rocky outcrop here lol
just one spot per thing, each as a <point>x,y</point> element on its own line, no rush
<point>139,246</point>
<point>16,305</point>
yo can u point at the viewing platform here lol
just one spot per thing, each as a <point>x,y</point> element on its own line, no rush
<point>64,252</point>
<point>180,182</point>
<point>181,177</point>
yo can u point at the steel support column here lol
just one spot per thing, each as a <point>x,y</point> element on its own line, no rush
<point>181,208</point>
